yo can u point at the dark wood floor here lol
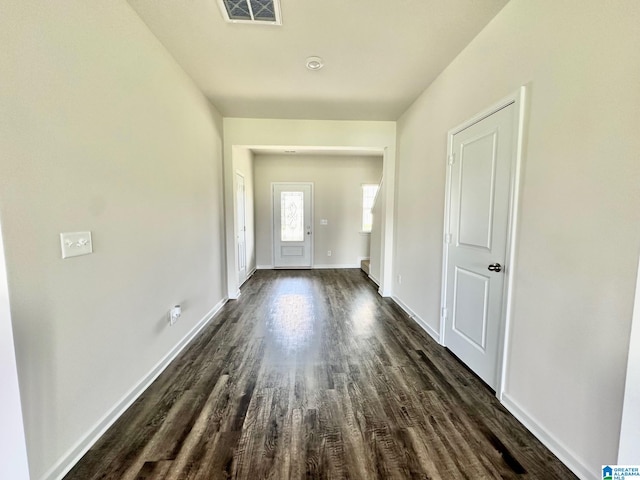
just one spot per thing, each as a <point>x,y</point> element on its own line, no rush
<point>311,374</point>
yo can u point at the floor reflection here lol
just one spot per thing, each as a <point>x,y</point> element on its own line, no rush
<point>363,315</point>
<point>291,321</point>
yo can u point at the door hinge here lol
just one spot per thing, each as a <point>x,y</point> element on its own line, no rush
<point>447,238</point>
<point>444,312</point>
<point>451,159</point>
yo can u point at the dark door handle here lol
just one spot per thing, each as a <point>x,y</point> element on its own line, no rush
<point>496,267</point>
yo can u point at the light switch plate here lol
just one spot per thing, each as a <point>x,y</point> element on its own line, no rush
<point>324,221</point>
<point>74,244</point>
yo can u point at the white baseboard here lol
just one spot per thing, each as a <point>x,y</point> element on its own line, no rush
<point>374,280</point>
<point>565,454</point>
<point>339,265</point>
<point>75,453</point>
<point>385,293</point>
<point>249,275</point>
<point>319,267</point>
<point>416,318</point>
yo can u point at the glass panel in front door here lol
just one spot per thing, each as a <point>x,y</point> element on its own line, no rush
<point>292,216</point>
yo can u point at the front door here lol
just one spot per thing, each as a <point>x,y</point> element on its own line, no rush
<point>241,229</point>
<point>292,235</point>
<point>479,195</point>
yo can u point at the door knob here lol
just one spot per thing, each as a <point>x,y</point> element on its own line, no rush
<point>495,267</point>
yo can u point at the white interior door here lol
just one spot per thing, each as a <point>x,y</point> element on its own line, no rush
<point>478,220</point>
<point>241,229</point>
<point>292,235</point>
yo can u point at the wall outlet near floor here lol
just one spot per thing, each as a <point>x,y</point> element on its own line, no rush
<point>399,279</point>
<point>174,314</point>
<point>328,253</point>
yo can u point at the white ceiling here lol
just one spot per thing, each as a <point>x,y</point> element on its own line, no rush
<point>379,54</point>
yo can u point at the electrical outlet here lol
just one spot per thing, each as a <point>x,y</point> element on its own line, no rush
<point>399,279</point>
<point>174,314</point>
<point>328,253</point>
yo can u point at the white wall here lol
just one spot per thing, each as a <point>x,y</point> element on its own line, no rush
<point>13,449</point>
<point>243,164</point>
<point>100,130</point>
<point>337,197</point>
<point>378,137</point>
<point>580,216</point>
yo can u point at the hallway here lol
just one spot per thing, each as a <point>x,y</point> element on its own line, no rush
<point>311,374</point>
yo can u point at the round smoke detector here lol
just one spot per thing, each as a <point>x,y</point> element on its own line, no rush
<point>315,63</point>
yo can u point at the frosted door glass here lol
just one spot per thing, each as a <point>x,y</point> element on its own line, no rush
<point>292,216</point>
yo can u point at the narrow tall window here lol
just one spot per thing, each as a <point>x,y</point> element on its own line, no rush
<point>368,197</point>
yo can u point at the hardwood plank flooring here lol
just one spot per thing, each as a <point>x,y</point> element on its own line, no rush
<point>312,375</point>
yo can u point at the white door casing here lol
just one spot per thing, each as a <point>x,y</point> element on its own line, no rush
<point>292,225</point>
<point>630,428</point>
<point>481,203</point>
<point>13,449</point>
<point>241,229</point>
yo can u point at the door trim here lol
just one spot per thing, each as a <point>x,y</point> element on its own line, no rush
<point>14,462</point>
<point>519,100</point>
<point>313,234</point>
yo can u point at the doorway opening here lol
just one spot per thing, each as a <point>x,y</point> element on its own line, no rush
<point>259,234</point>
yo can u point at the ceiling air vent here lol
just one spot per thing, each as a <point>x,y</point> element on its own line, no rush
<point>251,11</point>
